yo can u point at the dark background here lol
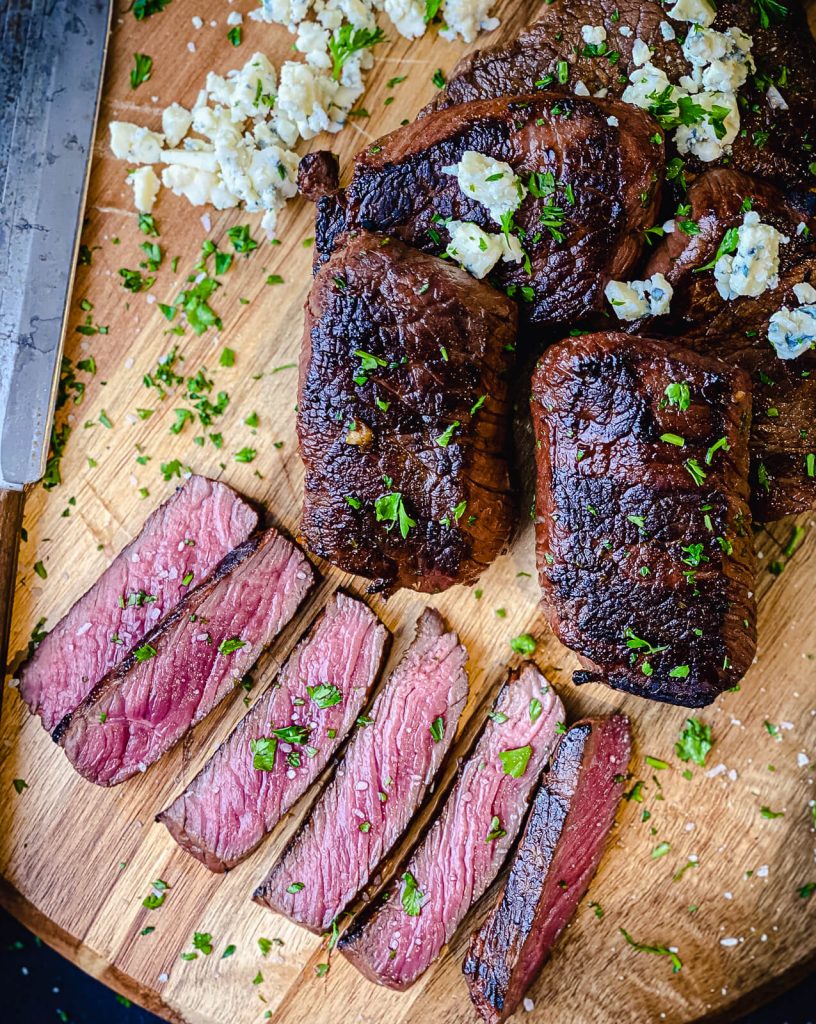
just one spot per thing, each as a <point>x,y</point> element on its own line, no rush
<point>39,987</point>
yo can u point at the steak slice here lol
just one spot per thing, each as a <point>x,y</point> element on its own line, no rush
<point>188,662</point>
<point>602,193</point>
<point>643,531</point>
<point>379,784</point>
<point>783,432</point>
<point>774,137</point>
<point>403,417</point>
<point>400,936</point>
<point>232,804</point>
<point>560,849</point>
<point>179,544</point>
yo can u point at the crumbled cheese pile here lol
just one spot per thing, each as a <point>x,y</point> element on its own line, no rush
<point>793,331</point>
<point>702,107</point>
<point>411,18</point>
<point>236,146</point>
<point>633,299</point>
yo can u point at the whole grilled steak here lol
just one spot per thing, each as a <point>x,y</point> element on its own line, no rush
<point>403,417</point>
<point>179,544</point>
<point>593,176</point>
<point>783,432</point>
<point>777,103</point>
<point>379,784</point>
<point>187,663</point>
<point>459,857</point>
<point>283,744</point>
<point>558,855</point>
<point>643,531</point>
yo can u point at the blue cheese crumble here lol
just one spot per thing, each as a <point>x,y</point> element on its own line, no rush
<point>793,331</point>
<point>493,183</point>
<point>633,299</point>
<point>754,266</point>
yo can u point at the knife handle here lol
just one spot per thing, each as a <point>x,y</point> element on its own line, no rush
<point>11,521</point>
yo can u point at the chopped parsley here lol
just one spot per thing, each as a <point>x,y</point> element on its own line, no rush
<point>157,895</point>
<point>390,508</point>
<point>145,652</point>
<point>495,831</point>
<point>348,40</point>
<point>437,728</point>
<point>19,785</point>
<point>143,66</point>
<point>324,695</point>
<point>656,950</point>
<point>263,753</point>
<point>523,644</point>
<point>146,8</point>
<point>695,742</point>
<point>242,241</point>
<point>411,897</point>
<point>514,762</point>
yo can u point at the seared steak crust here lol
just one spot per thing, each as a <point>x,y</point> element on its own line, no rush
<point>784,416</point>
<point>399,187</point>
<point>230,806</point>
<point>382,780</point>
<point>179,544</point>
<point>770,142</point>
<point>558,855</point>
<point>188,663</point>
<point>400,935</point>
<point>403,417</point>
<point>643,531</point>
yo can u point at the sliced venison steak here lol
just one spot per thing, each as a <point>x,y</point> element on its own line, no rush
<point>778,103</point>
<point>379,784</point>
<point>643,531</point>
<point>188,663</point>
<point>400,936</point>
<point>558,855</point>
<point>403,417</point>
<point>592,168</point>
<point>179,544</point>
<point>284,743</point>
<point>783,432</point>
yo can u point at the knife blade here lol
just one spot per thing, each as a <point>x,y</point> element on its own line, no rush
<point>52,58</point>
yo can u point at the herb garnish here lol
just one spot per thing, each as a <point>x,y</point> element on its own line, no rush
<point>143,66</point>
<point>695,742</point>
<point>514,762</point>
<point>656,950</point>
<point>411,897</point>
<point>324,695</point>
<point>348,40</point>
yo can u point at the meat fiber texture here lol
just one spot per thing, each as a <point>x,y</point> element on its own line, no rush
<point>182,540</point>
<point>570,820</point>
<point>231,805</point>
<point>187,663</point>
<point>783,430</point>
<point>467,844</point>
<point>403,417</point>
<point>380,783</point>
<point>614,172</point>
<point>643,530</point>
<point>770,141</point>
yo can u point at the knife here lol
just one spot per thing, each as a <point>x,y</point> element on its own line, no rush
<point>52,55</point>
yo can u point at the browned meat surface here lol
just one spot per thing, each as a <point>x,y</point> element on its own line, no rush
<point>558,855</point>
<point>643,531</point>
<point>784,417</point>
<point>403,417</point>
<point>318,174</point>
<point>382,780</point>
<point>580,227</point>
<point>773,142</point>
<point>400,935</point>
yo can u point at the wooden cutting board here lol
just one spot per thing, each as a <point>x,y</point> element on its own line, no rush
<point>77,861</point>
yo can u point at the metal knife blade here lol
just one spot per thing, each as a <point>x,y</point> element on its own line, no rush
<point>52,56</point>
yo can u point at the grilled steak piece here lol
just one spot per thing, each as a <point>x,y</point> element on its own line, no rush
<point>318,174</point>
<point>587,164</point>
<point>179,544</point>
<point>403,417</point>
<point>284,743</point>
<point>777,104</point>
<point>783,433</point>
<point>643,531</point>
<point>560,849</point>
<point>399,937</point>
<point>188,662</point>
<point>379,784</point>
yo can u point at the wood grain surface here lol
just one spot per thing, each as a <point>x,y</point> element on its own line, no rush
<point>77,861</point>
